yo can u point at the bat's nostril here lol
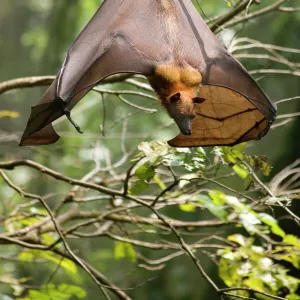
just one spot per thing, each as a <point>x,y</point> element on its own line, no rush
<point>187,132</point>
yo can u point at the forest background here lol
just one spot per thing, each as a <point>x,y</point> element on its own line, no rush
<point>131,246</point>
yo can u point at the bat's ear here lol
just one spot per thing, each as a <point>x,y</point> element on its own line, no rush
<point>175,98</point>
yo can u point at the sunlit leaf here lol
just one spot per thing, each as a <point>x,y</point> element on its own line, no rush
<point>26,256</point>
<point>187,207</point>
<point>159,182</point>
<point>216,209</point>
<point>231,154</point>
<point>236,204</point>
<point>9,114</point>
<point>291,239</point>
<point>250,222</point>
<point>228,3</point>
<point>52,292</point>
<point>73,290</point>
<point>237,238</point>
<point>153,150</point>
<point>289,256</point>
<point>269,220</point>
<point>145,172</point>
<point>228,271</point>
<point>241,171</point>
<point>65,263</point>
<point>124,250</point>
<point>218,197</point>
<point>266,169</point>
<point>293,297</point>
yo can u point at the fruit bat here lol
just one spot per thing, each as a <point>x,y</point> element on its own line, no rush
<point>210,96</point>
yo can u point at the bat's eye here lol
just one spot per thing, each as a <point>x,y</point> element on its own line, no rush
<point>198,100</point>
<point>175,98</point>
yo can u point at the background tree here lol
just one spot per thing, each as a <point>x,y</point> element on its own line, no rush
<point>113,215</point>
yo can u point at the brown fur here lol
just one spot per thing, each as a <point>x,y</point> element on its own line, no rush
<point>169,80</point>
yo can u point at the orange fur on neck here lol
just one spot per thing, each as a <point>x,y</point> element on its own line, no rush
<point>169,80</point>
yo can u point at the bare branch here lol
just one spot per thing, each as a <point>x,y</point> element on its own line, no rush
<point>221,291</point>
<point>35,81</point>
<point>271,8</point>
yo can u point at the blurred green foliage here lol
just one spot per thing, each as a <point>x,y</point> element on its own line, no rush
<point>34,37</point>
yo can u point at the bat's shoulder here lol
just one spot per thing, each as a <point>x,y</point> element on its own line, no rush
<point>170,78</point>
<point>174,73</point>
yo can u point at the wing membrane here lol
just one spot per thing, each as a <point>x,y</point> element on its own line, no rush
<point>225,118</point>
<point>114,41</point>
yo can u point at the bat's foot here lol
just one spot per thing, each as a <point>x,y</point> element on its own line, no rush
<point>68,115</point>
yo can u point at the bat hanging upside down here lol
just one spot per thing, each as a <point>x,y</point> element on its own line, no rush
<point>211,97</point>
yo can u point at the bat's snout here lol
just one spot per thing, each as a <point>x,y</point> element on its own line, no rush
<point>187,132</point>
<point>185,125</point>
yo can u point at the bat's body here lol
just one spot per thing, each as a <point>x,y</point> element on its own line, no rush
<point>211,97</point>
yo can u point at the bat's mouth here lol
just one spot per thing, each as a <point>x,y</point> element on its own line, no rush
<point>186,131</point>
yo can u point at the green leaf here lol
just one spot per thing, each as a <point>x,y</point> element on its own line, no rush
<point>145,172</point>
<point>277,230</point>
<point>40,295</point>
<point>250,222</point>
<point>228,271</point>
<point>236,204</point>
<point>266,169</point>
<point>216,209</point>
<point>291,239</point>
<point>124,250</point>
<point>159,182</point>
<point>238,150</point>
<point>52,292</point>
<point>72,290</point>
<point>138,187</point>
<point>237,238</point>
<point>187,207</point>
<point>293,297</point>
<point>119,250</point>
<point>192,159</point>
<point>65,263</point>
<point>269,220</point>
<point>153,150</point>
<point>241,171</point>
<point>48,238</point>
<point>231,154</point>
<point>252,266</point>
<point>218,197</point>
<point>255,283</point>
<point>26,256</point>
<point>229,4</point>
<point>247,182</point>
<point>289,256</point>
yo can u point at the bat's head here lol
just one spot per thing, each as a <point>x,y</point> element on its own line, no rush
<point>181,108</point>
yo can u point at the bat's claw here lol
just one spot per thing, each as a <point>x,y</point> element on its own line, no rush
<point>68,115</point>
